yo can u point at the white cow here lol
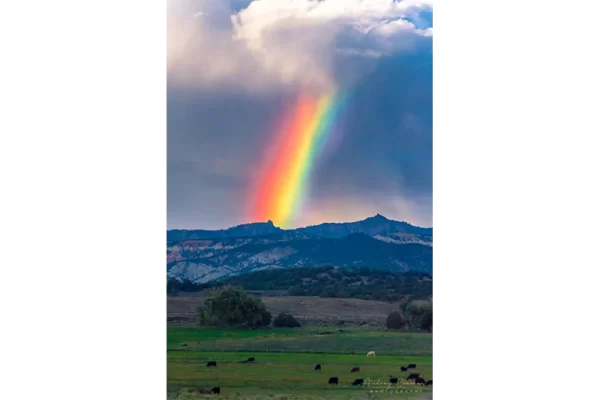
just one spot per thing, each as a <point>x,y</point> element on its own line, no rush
<point>371,353</point>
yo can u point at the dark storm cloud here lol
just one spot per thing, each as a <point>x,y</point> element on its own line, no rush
<point>387,129</point>
<point>216,140</point>
<point>378,160</point>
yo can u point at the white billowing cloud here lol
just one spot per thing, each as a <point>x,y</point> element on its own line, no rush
<point>200,49</point>
<point>273,42</point>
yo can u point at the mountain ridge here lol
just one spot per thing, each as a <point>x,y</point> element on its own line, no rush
<point>375,242</point>
<point>377,224</point>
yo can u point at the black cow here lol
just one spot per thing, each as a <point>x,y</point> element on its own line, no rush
<point>419,381</point>
<point>412,366</point>
<point>358,382</point>
<point>429,383</point>
<point>403,369</point>
<point>318,367</point>
<point>355,369</point>
<point>211,364</point>
<point>333,379</point>
<point>413,376</point>
<point>393,380</point>
<point>251,359</point>
<point>216,390</point>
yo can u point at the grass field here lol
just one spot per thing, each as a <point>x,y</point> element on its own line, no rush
<point>285,360</point>
<point>304,340</point>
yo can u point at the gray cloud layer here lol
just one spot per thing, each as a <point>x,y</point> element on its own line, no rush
<point>235,72</point>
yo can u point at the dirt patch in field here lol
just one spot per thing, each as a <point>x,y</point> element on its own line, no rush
<point>181,310</point>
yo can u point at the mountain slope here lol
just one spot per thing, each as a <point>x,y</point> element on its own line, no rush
<point>376,242</point>
<point>405,238</point>
<point>206,260</point>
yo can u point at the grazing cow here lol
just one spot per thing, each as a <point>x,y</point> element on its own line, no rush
<point>353,353</point>
<point>419,381</point>
<point>355,369</point>
<point>318,367</point>
<point>412,366</point>
<point>216,390</point>
<point>403,369</point>
<point>184,344</point>
<point>412,376</point>
<point>205,391</point>
<point>333,379</point>
<point>429,383</point>
<point>358,382</point>
<point>251,359</point>
<point>371,353</point>
<point>393,380</point>
<point>211,364</point>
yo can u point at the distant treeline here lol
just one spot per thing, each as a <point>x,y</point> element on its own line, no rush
<point>360,283</point>
<point>175,286</point>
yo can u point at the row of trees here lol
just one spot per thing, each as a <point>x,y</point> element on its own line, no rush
<point>231,307</point>
<point>175,286</point>
<point>412,315</point>
<point>365,291</point>
<point>360,283</point>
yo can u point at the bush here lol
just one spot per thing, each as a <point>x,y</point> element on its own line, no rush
<point>395,321</point>
<point>233,308</point>
<point>284,320</point>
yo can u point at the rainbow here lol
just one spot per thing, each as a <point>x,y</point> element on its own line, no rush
<point>282,188</point>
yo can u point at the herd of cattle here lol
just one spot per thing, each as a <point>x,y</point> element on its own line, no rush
<point>334,380</point>
<point>418,380</point>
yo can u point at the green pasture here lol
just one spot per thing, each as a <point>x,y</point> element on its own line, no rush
<point>303,340</point>
<point>285,360</point>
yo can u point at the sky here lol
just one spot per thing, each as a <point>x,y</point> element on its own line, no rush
<point>235,73</point>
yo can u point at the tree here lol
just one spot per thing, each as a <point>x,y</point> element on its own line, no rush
<point>395,320</point>
<point>231,307</point>
<point>427,321</point>
<point>173,286</point>
<point>284,320</point>
<point>415,310</point>
<point>404,301</point>
<point>419,314</point>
